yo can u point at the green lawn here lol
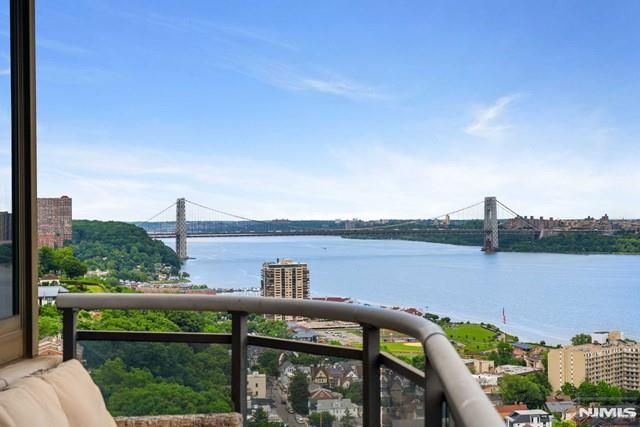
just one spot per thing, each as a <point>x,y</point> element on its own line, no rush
<point>401,348</point>
<point>474,337</point>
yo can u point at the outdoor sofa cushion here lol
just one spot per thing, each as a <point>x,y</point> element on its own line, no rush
<point>80,398</point>
<point>31,402</point>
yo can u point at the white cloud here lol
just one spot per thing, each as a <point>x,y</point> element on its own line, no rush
<point>61,47</point>
<point>487,122</point>
<point>379,182</point>
<point>287,77</point>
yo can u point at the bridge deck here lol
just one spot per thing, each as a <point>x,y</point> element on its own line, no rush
<point>361,232</point>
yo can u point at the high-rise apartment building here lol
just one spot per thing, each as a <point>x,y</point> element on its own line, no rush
<point>54,221</point>
<point>285,279</point>
<point>6,228</point>
<point>616,363</point>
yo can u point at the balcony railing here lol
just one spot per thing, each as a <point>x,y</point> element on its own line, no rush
<point>451,395</point>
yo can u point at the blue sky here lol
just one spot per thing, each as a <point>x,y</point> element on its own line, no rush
<point>339,109</point>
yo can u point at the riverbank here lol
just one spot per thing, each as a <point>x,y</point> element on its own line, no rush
<point>568,243</point>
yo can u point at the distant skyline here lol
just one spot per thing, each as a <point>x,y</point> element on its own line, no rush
<point>335,109</point>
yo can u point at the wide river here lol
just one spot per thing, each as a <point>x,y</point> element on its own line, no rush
<point>547,297</point>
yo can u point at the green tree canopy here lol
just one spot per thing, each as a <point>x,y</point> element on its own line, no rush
<point>348,420</point>
<point>123,249</point>
<point>261,419</point>
<point>321,419</point>
<point>581,339</point>
<point>518,388</point>
<point>299,393</point>
<point>268,362</point>
<point>60,261</point>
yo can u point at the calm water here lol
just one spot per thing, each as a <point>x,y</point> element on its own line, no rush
<point>546,296</point>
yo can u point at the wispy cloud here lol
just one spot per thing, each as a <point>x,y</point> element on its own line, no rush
<point>245,40</point>
<point>487,122</point>
<point>228,32</point>
<point>248,33</point>
<point>291,78</point>
<point>61,47</point>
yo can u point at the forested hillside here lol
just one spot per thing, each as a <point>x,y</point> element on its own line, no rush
<point>576,243</point>
<point>123,249</point>
<point>159,378</point>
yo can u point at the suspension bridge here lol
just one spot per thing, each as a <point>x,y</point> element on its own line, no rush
<point>487,218</point>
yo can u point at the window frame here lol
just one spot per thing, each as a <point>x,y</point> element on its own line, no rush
<point>19,333</point>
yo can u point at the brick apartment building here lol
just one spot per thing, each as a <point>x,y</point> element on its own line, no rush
<point>6,228</point>
<point>54,221</point>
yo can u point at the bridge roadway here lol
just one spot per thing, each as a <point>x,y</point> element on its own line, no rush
<point>343,232</point>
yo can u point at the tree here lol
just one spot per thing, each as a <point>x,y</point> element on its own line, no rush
<point>49,321</point>
<point>321,419</point>
<point>354,392</point>
<point>299,393</point>
<point>73,267</point>
<point>517,388</point>
<point>60,260</point>
<point>270,328</point>
<point>569,389</point>
<point>418,361</point>
<point>503,355</point>
<point>123,249</point>
<point>581,339</point>
<point>45,257</point>
<point>348,420</point>
<point>431,316</point>
<point>268,362</point>
<point>164,398</point>
<point>261,419</point>
<point>601,393</point>
<point>188,321</point>
<point>49,326</point>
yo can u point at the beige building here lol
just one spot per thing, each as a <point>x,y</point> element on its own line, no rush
<point>480,366</point>
<point>285,279</point>
<point>616,363</point>
<point>257,385</point>
<point>54,221</point>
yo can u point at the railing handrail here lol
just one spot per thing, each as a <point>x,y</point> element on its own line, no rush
<point>465,398</point>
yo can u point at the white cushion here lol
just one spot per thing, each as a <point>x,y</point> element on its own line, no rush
<point>80,398</point>
<point>31,402</point>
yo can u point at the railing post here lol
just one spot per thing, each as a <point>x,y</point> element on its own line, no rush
<point>371,375</point>
<point>433,398</point>
<point>239,362</point>
<point>69,317</point>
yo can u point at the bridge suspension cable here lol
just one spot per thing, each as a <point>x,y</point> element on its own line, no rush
<point>459,210</point>
<point>523,218</point>
<point>240,217</point>
<point>415,221</point>
<point>158,214</point>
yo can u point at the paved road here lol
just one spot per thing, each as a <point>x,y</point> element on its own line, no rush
<point>278,396</point>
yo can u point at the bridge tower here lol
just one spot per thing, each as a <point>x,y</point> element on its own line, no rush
<point>181,229</point>
<point>490,225</point>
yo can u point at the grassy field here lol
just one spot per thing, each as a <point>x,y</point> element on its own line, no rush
<point>402,348</point>
<point>474,337</point>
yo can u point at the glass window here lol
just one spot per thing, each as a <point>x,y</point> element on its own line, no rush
<point>8,294</point>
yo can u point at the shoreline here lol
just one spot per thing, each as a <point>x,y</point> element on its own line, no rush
<point>497,251</point>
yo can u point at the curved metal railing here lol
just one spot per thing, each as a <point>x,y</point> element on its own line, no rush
<point>450,392</point>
